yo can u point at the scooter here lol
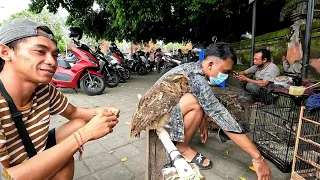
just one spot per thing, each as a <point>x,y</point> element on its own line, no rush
<point>107,70</point>
<point>123,70</point>
<point>170,63</point>
<point>123,73</point>
<point>136,64</point>
<point>144,59</point>
<point>84,73</point>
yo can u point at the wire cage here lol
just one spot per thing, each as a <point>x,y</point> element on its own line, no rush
<point>306,161</point>
<point>275,128</point>
<point>240,105</point>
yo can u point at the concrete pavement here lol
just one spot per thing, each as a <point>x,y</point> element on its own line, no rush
<point>102,158</point>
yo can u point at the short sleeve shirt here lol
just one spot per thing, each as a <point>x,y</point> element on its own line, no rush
<point>46,101</point>
<point>268,73</point>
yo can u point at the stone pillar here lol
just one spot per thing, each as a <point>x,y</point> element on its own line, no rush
<point>297,13</point>
<point>294,51</point>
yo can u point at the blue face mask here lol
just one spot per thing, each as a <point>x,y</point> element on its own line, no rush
<point>219,79</point>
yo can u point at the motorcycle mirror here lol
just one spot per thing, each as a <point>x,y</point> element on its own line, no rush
<point>214,39</point>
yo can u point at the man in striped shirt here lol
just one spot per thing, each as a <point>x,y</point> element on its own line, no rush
<point>28,58</point>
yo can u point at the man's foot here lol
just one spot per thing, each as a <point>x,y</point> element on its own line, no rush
<point>192,156</point>
<point>202,162</point>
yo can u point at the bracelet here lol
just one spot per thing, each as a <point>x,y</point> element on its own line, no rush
<point>258,161</point>
<point>81,141</point>
<point>79,146</point>
<point>80,137</point>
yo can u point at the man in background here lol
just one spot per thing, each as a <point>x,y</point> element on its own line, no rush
<point>264,69</point>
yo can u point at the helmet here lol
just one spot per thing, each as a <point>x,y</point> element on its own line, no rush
<point>75,32</point>
<point>196,49</point>
<point>113,47</point>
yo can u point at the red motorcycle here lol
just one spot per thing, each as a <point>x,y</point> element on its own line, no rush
<point>84,73</point>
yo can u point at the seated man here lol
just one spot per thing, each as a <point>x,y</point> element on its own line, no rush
<point>264,69</point>
<point>189,114</point>
<point>28,61</point>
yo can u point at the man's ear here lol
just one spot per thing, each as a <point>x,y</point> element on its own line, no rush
<point>210,65</point>
<point>265,60</point>
<point>5,52</point>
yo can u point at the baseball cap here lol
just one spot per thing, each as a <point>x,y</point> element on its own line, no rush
<point>20,28</point>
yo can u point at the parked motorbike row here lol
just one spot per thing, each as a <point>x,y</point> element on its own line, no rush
<point>92,70</point>
<point>165,63</point>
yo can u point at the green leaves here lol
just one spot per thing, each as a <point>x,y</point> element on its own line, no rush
<point>168,20</point>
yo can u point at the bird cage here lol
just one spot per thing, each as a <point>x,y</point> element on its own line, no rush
<point>306,161</point>
<point>275,128</point>
<point>239,104</point>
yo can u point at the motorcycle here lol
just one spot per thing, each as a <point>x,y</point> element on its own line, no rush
<point>150,62</point>
<point>107,70</point>
<point>84,73</point>
<point>135,64</point>
<point>144,59</point>
<point>123,73</point>
<point>170,63</point>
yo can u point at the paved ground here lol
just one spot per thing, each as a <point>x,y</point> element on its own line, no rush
<point>102,158</point>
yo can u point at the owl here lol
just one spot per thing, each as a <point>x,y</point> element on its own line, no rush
<point>155,106</point>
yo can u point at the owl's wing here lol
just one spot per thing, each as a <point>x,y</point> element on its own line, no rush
<point>154,104</point>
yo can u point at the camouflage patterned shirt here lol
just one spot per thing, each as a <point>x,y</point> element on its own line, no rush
<point>200,87</point>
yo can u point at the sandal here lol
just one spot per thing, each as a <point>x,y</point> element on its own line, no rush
<point>199,159</point>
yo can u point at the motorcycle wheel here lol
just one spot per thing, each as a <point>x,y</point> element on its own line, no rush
<point>123,79</point>
<point>128,74</point>
<point>142,70</point>
<point>94,87</point>
<point>112,81</point>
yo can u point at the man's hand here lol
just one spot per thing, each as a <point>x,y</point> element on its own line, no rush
<point>242,77</point>
<point>100,125</point>
<point>112,110</point>
<point>204,131</point>
<point>262,170</point>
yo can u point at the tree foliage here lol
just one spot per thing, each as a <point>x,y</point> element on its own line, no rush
<point>170,20</point>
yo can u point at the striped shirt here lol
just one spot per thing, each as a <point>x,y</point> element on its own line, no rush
<point>46,101</point>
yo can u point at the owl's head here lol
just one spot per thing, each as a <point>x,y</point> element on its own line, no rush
<point>180,82</point>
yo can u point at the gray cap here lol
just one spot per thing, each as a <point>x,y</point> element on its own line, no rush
<point>20,28</point>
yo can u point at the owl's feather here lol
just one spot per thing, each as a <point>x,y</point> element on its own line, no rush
<point>158,102</point>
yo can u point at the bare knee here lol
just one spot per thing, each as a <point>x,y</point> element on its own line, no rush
<point>188,103</point>
<point>66,172</point>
